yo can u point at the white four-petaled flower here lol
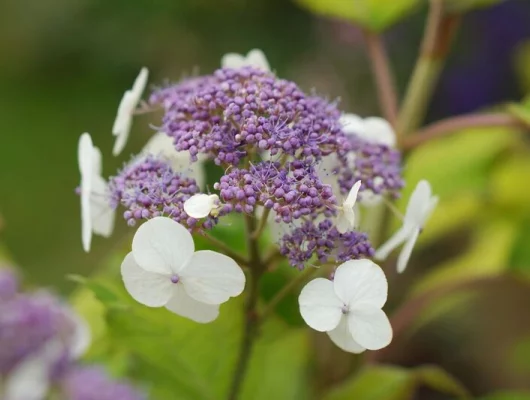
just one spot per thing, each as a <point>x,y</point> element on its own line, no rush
<point>346,215</point>
<point>129,102</point>
<point>163,269</point>
<point>96,214</point>
<point>371,129</point>
<point>201,205</point>
<point>419,209</point>
<point>349,307</point>
<point>255,58</point>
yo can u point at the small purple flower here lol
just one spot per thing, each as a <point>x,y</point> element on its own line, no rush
<point>149,188</point>
<point>325,243</point>
<point>92,383</point>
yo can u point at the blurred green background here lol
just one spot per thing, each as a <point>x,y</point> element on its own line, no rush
<point>463,304</point>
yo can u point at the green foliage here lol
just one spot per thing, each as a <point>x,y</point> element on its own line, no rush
<point>396,383</point>
<point>374,15</point>
<point>460,6</point>
<point>507,396</point>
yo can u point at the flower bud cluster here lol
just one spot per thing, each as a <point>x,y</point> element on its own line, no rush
<point>322,242</point>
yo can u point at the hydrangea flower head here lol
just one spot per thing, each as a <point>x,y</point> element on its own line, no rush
<point>349,307</point>
<point>163,269</point>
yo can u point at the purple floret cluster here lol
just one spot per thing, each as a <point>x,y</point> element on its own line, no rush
<point>292,191</point>
<point>236,112</point>
<point>38,329</point>
<point>377,166</point>
<point>149,188</point>
<point>323,243</point>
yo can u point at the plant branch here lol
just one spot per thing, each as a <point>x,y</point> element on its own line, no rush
<point>386,89</point>
<point>227,250</point>
<point>451,125</point>
<point>439,31</point>
<point>262,224</point>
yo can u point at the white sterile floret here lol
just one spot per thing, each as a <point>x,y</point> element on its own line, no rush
<point>161,145</point>
<point>129,102</point>
<point>97,216</point>
<point>346,215</point>
<point>163,269</point>
<point>349,307</point>
<point>372,129</point>
<point>255,58</point>
<point>419,209</point>
<point>201,205</point>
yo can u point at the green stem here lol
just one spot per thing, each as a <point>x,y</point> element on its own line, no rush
<point>439,31</point>
<point>227,250</point>
<point>262,224</point>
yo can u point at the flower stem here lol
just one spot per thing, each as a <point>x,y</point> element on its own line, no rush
<point>262,224</point>
<point>227,250</point>
<point>451,125</point>
<point>251,323</point>
<point>386,89</point>
<point>435,46</point>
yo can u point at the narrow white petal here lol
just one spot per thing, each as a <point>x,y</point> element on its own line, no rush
<point>398,238</point>
<point>139,85</point>
<point>162,245</point>
<point>406,251</point>
<point>81,338</point>
<point>341,222</point>
<point>85,154</point>
<point>122,136</point>
<point>378,130</point>
<point>352,196</point>
<point>352,124</point>
<point>149,288</point>
<point>212,277</point>
<point>361,283</point>
<point>342,337</point>
<point>200,205</point>
<point>370,328</point>
<point>125,108</point>
<point>182,304</point>
<point>101,213</point>
<point>256,58</point>
<point>320,307</point>
<point>97,161</point>
<point>427,212</point>
<point>419,202</point>
<point>232,60</point>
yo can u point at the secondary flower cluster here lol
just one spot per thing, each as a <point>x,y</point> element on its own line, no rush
<point>290,161</point>
<point>41,339</point>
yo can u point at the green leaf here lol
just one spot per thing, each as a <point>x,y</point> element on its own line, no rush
<point>436,378</point>
<point>374,15</point>
<point>376,383</point>
<point>102,292</point>
<point>460,6</point>
<point>507,396</point>
<point>520,256</point>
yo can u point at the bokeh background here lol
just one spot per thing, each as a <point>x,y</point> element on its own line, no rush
<point>463,304</point>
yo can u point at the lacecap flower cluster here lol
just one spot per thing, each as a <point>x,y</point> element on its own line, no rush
<point>286,156</point>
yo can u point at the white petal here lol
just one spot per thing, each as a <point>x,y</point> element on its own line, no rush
<point>122,136</point>
<point>200,205</point>
<point>352,196</point>
<point>378,130</point>
<point>256,58</point>
<point>419,202</point>
<point>30,379</point>
<point>212,277</point>
<point>406,251</point>
<point>125,109</point>
<point>139,85</point>
<point>101,213</point>
<point>320,307</point>
<point>81,338</point>
<point>342,222</point>
<point>342,337</point>
<point>85,154</point>
<point>352,124</point>
<point>399,237</point>
<point>149,288</point>
<point>162,245</point>
<point>182,304</point>
<point>233,60</point>
<point>370,328</point>
<point>97,161</point>
<point>361,283</point>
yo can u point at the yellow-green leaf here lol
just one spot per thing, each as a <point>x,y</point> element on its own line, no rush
<point>375,15</point>
<point>436,378</point>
